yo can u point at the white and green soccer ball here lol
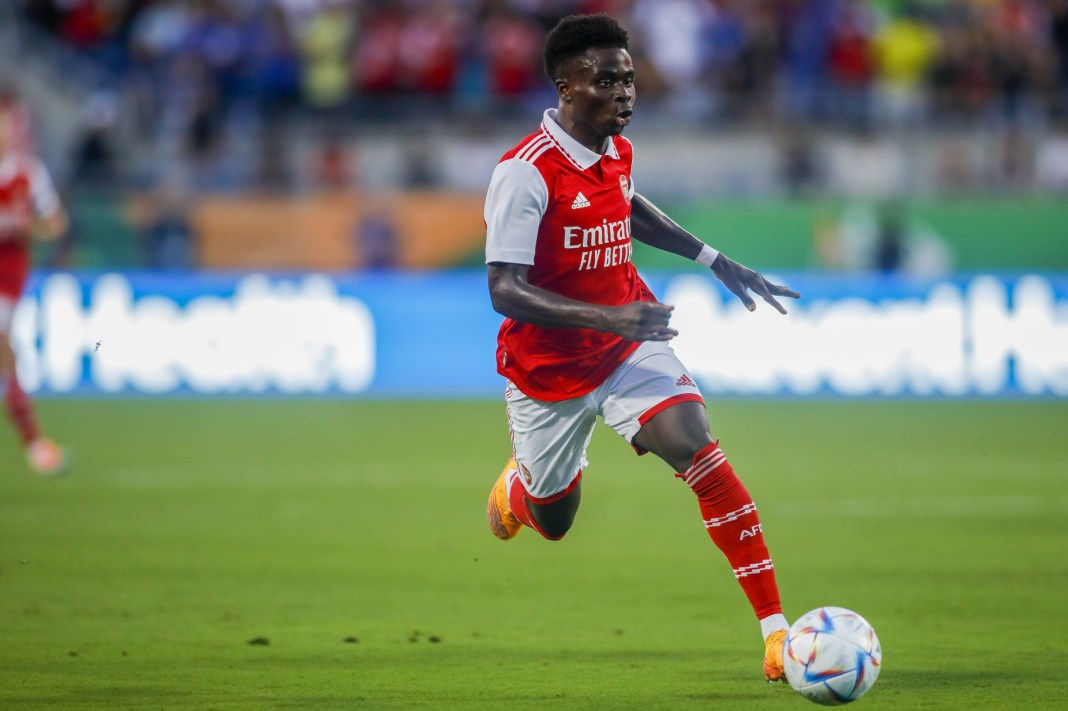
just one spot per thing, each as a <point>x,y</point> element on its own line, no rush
<point>832,656</point>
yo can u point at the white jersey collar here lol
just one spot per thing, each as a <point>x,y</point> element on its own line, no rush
<point>579,154</point>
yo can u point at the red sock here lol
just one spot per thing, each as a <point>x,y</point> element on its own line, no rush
<point>517,501</point>
<point>732,522</point>
<point>20,411</point>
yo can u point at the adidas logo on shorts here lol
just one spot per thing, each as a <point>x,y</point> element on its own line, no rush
<point>685,382</point>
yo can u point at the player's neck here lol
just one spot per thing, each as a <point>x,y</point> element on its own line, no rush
<point>587,137</point>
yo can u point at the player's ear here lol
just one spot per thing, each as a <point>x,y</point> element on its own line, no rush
<point>563,91</point>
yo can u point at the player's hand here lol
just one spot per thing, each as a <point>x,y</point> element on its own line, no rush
<point>740,280</point>
<point>643,321</point>
<point>15,225</point>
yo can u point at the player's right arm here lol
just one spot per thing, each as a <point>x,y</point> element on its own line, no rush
<point>515,297</point>
<point>516,202</point>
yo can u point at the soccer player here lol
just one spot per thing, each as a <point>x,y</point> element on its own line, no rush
<point>583,335</point>
<point>29,208</point>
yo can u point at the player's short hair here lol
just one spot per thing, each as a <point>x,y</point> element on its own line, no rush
<point>574,34</point>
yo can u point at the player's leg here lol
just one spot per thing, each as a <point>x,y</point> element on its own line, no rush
<point>16,402</point>
<point>554,518</point>
<point>657,406</point>
<point>42,454</point>
<point>540,486</point>
<point>675,434</point>
<point>510,507</point>
<point>729,514</point>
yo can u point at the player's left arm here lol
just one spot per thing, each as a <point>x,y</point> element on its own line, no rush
<point>651,226</point>
<point>51,220</point>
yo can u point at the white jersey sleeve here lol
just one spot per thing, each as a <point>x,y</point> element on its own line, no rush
<point>42,190</point>
<point>515,204</point>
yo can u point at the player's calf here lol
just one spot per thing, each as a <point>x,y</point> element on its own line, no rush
<point>732,522</point>
<point>731,519</point>
<point>554,518</point>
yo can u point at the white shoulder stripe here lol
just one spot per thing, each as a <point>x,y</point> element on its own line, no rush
<point>541,142</point>
<point>541,150</point>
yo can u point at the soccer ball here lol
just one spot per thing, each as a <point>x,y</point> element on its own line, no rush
<point>832,656</point>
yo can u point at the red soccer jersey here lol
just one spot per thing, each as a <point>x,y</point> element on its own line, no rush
<point>26,192</point>
<point>564,210</point>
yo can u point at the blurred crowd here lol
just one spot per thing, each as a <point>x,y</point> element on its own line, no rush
<point>208,92</point>
<point>894,61</point>
<point>212,89</point>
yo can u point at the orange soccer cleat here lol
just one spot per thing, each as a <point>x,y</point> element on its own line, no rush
<point>773,647</point>
<point>502,521</point>
<point>45,457</point>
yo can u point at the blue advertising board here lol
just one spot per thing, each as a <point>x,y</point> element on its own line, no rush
<point>434,334</point>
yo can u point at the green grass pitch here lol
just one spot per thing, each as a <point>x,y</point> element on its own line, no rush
<point>351,537</point>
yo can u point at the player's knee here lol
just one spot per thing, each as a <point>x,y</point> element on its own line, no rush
<point>676,435</point>
<point>681,453</point>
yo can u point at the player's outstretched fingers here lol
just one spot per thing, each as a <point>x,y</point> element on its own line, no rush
<point>769,291</point>
<point>765,294</point>
<point>779,290</point>
<point>739,289</point>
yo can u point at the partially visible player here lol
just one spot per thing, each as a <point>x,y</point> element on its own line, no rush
<point>584,336</point>
<point>20,139</point>
<point>29,208</point>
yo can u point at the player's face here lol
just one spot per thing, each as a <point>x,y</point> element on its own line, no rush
<point>597,91</point>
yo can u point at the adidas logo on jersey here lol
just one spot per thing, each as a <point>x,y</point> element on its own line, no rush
<point>580,201</point>
<point>685,381</point>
